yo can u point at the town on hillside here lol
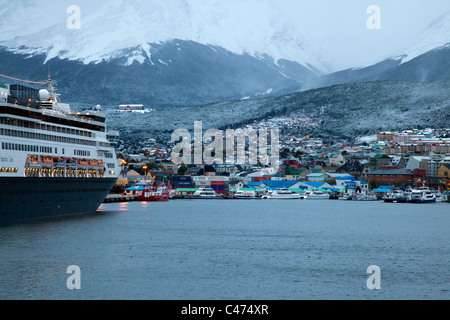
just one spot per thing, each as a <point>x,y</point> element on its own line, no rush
<point>407,159</point>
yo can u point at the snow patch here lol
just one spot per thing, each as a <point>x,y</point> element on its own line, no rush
<point>146,47</point>
<point>436,36</point>
<point>269,91</point>
<point>120,24</point>
<point>138,58</point>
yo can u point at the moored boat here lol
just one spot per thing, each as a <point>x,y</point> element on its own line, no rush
<point>346,196</point>
<point>334,196</point>
<point>421,195</point>
<point>395,195</point>
<point>245,194</point>
<point>282,194</point>
<point>366,196</point>
<point>204,193</point>
<point>156,193</point>
<point>316,195</point>
<point>54,162</point>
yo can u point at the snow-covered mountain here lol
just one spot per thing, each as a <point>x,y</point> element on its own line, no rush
<point>108,30</point>
<point>175,72</point>
<point>188,52</point>
<point>435,37</point>
<point>159,52</point>
<point>426,60</point>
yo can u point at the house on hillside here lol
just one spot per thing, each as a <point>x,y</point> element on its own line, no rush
<point>353,167</point>
<point>133,175</point>
<point>336,159</point>
<point>317,177</point>
<point>380,160</point>
<point>444,171</point>
<point>195,171</point>
<point>292,173</point>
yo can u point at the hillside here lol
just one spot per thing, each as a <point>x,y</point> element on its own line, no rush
<point>349,109</point>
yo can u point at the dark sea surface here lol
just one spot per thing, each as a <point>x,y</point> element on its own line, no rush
<point>232,250</point>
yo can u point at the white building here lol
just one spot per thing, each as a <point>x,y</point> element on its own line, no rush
<point>435,162</point>
<point>135,108</point>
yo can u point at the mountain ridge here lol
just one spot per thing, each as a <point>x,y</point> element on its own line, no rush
<point>179,73</point>
<point>345,110</point>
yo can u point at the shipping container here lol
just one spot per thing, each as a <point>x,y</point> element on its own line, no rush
<point>217,183</point>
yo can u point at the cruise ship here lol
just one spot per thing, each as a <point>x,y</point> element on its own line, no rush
<point>53,162</point>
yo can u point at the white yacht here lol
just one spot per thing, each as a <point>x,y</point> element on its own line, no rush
<point>421,195</point>
<point>316,195</point>
<point>204,193</point>
<point>283,194</point>
<point>395,195</point>
<point>245,194</point>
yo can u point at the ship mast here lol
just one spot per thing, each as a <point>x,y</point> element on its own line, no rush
<point>52,90</point>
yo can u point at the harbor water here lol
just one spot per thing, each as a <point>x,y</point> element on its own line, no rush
<point>232,250</point>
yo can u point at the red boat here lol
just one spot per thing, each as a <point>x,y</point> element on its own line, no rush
<point>155,193</point>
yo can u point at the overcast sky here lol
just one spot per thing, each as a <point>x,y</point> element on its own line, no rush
<point>337,28</point>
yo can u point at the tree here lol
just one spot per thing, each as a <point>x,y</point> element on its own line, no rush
<point>284,153</point>
<point>182,169</point>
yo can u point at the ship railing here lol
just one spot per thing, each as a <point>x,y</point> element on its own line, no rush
<point>60,165</point>
<point>23,102</point>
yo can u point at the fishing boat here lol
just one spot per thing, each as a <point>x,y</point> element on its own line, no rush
<point>156,193</point>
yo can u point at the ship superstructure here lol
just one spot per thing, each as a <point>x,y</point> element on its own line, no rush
<point>53,161</point>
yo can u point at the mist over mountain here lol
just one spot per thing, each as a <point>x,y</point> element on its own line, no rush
<point>115,26</point>
<point>426,60</point>
<point>176,52</point>
<point>179,73</point>
<point>340,110</point>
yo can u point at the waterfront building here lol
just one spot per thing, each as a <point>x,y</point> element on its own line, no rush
<point>351,183</point>
<point>393,176</point>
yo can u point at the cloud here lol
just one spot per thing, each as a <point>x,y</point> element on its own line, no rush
<point>325,32</point>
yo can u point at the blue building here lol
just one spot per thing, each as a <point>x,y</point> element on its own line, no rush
<point>351,183</point>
